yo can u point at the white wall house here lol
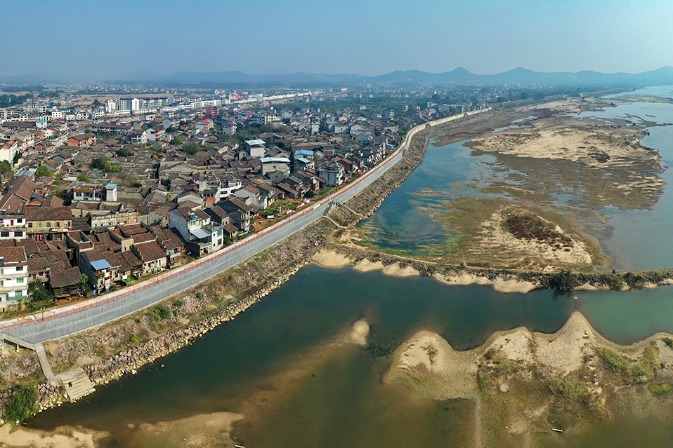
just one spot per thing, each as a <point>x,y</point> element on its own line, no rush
<point>13,276</point>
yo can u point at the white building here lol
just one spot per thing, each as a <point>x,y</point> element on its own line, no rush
<point>255,148</point>
<point>13,226</point>
<point>13,276</point>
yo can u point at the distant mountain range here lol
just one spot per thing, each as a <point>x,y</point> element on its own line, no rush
<point>458,76</point>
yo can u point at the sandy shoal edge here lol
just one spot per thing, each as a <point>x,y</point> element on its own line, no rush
<point>62,437</point>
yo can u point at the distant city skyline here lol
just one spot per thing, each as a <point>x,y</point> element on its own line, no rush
<point>124,39</point>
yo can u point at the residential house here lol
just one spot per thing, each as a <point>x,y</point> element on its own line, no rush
<point>222,218</point>
<point>81,140</point>
<point>13,277</point>
<point>196,228</point>
<point>100,269</point>
<point>152,255</point>
<point>48,223</point>
<point>171,242</point>
<point>8,150</point>
<point>66,282</point>
<point>240,212</point>
<point>333,173</point>
<point>255,148</point>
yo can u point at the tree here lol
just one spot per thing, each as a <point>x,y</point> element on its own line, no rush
<point>190,148</point>
<point>124,152</point>
<point>103,163</point>
<point>5,168</point>
<point>42,171</point>
<point>83,178</point>
<point>37,291</point>
<point>22,404</point>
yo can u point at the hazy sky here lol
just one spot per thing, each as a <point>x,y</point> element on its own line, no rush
<point>104,39</point>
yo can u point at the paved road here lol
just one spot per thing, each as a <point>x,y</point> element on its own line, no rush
<point>97,312</point>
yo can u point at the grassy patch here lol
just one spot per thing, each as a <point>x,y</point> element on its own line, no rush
<point>659,389</point>
<point>529,226</point>
<point>639,372</point>
<point>22,404</point>
<point>570,388</point>
<point>160,312</point>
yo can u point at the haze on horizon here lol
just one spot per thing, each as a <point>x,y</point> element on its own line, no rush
<point>92,40</point>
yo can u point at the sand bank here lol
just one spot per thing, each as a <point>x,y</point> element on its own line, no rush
<point>203,430</point>
<point>62,437</point>
<point>359,332</point>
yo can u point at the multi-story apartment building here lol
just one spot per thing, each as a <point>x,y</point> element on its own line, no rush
<point>13,276</point>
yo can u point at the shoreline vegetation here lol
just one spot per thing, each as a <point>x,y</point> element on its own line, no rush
<point>123,347</point>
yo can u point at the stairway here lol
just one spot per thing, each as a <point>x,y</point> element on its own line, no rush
<point>76,383</point>
<point>44,363</point>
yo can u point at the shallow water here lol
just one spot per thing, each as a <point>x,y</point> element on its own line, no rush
<point>245,358</point>
<point>636,235</point>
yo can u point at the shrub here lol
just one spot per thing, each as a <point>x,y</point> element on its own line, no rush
<point>659,389</point>
<point>614,361</point>
<point>570,388</point>
<point>160,312</point>
<point>22,404</point>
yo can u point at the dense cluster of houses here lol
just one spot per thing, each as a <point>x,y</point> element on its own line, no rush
<point>93,204</point>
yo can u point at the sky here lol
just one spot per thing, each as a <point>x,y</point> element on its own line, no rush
<point>113,39</point>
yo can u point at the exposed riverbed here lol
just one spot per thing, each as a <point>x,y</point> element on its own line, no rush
<point>288,373</point>
<point>602,176</point>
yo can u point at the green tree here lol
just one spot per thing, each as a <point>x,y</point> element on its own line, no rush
<point>42,171</point>
<point>190,148</point>
<point>37,291</point>
<point>124,152</point>
<point>60,193</point>
<point>5,168</point>
<point>22,404</point>
<point>103,163</point>
<point>83,178</point>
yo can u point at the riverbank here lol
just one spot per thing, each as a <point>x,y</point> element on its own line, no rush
<point>125,346</point>
<point>337,255</point>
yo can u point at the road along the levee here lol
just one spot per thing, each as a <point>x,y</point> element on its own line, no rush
<point>67,321</point>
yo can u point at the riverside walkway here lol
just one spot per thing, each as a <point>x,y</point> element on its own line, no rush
<point>62,322</point>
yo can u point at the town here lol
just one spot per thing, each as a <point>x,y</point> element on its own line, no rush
<point>101,190</point>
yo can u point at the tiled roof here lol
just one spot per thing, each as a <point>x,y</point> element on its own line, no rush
<point>13,254</point>
<point>150,251</point>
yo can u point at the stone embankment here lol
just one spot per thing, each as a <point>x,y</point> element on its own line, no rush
<point>281,262</point>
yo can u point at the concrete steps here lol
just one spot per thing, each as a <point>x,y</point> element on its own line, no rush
<point>76,383</point>
<point>44,363</point>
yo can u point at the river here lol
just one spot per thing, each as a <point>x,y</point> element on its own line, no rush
<point>285,365</point>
